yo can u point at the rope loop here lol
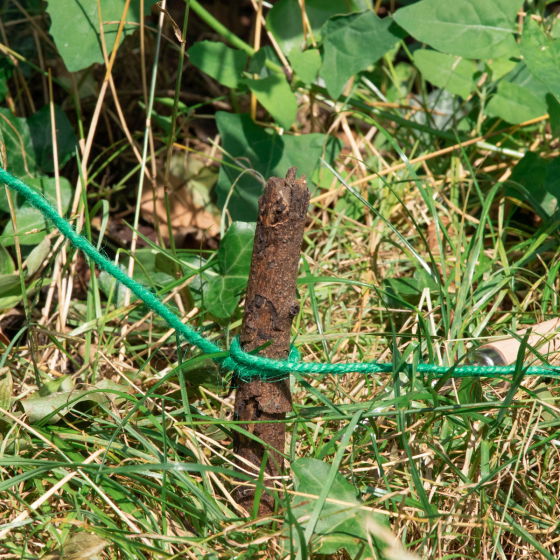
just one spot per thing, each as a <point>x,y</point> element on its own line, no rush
<point>248,367</point>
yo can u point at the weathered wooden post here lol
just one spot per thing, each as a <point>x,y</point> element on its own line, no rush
<point>270,307</point>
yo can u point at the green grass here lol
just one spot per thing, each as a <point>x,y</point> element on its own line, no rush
<point>450,469</point>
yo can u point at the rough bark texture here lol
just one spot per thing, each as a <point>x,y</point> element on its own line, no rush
<point>270,307</point>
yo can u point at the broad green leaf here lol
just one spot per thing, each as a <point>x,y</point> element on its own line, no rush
<point>199,281</point>
<point>29,219</point>
<point>37,257</point>
<point>515,104</point>
<point>285,19</point>
<point>468,28</point>
<point>202,372</point>
<point>305,64</point>
<point>221,296</point>
<point>219,61</point>
<point>19,148</point>
<point>342,524</point>
<point>47,187</point>
<point>222,292</point>
<point>398,291</point>
<point>446,71</point>
<point>38,407</point>
<point>7,265</point>
<point>5,74</point>
<point>251,147</point>
<point>29,143</point>
<point>42,138</point>
<point>75,28</point>
<point>500,67</point>
<point>521,76</point>
<point>114,291</point>
<point>542,56</point>
<point>10,290</point>
<point>275,95</point>
<point>257,64</point>
<point>351,43</point>
<point>151,269</point>
<point>236,248</point>
<point>536,181</point>
<point>553,110</point>
<point>31,228</point>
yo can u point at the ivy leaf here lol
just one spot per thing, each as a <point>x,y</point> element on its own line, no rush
<point>222,292</point>
<point>446,71</point>
<point>253,154</point>
<point>274,94</point>
<point>468,28</point>
<point>76,31</point>
<point>541,55</point>
<point>219,61</point>
<point>344,42</point>
<point>234,254</point>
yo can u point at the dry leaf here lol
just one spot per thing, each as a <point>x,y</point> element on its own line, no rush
<point>79,546</point>
<point>188,196</point>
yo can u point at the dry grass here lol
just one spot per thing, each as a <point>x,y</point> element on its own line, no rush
<point>459,469</point>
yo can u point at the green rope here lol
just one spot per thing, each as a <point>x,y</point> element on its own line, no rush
<point>40,203</point>
<point>246,366</point>
<point>250,366</point>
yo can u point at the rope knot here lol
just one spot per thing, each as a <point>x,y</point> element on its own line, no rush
<point>249,367</point>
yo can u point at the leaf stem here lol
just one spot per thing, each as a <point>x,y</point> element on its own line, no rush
<point>222,30</point>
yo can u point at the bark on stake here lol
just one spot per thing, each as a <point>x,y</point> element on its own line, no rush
<point>270,307</point>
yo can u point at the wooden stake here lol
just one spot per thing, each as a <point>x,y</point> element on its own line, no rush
<point>270,307</point>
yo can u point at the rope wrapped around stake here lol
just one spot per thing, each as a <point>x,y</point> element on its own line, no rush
<point>252,366</point>
<point>247,366</point>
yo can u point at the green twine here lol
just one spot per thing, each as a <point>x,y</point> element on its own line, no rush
<point>246,366</point>
<point>38,201</point>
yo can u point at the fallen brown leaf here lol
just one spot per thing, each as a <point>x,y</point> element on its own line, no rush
<point>188,197</point>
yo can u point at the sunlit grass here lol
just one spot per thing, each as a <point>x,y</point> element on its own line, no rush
<point>457,468</point>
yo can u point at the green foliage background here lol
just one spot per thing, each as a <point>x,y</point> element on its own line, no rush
<point>430,80</point>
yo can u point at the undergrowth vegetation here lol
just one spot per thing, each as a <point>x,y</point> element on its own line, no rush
<point>428,132</point>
